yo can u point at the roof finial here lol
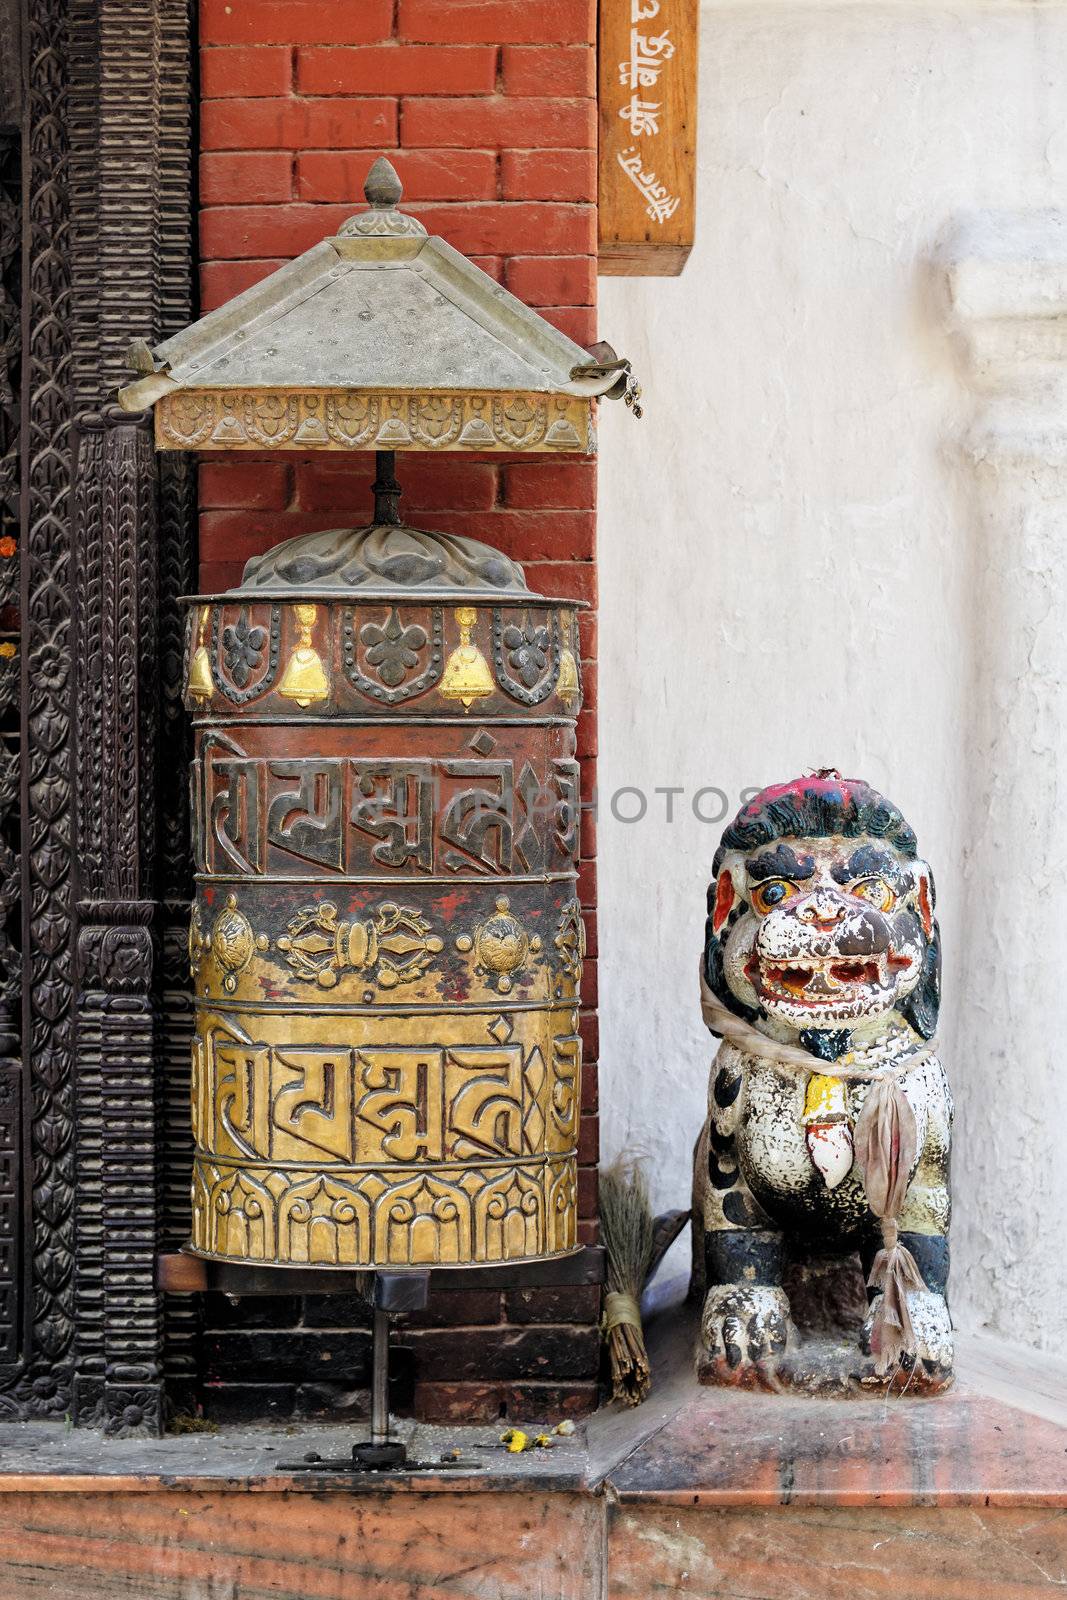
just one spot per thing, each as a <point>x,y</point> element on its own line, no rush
<point>382,190</point>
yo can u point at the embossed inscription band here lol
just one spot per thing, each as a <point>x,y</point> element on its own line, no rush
<point>380,817</point>
<point>311,1132</point>
<point>501,1084</point>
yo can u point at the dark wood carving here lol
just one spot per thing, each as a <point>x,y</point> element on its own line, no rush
<point>174,889</point>
<point>138,215</point>
<point>102,231</point>
<point>10,854</point>
<point>115,543</point>
<point>42,1385</point>
<point>10,64</point>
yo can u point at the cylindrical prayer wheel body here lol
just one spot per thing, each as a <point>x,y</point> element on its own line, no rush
<point>386,942</point>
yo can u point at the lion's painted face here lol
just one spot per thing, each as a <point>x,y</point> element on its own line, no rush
<point>835,930</point>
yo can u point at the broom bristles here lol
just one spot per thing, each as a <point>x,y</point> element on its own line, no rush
<point>626,1221</point>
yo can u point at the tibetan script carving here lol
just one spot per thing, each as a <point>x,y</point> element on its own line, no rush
<point>381,817</point>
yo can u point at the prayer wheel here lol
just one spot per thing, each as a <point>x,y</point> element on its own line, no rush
<point>386,943</point>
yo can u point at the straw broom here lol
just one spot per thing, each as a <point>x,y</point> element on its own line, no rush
<point>626,1221</point>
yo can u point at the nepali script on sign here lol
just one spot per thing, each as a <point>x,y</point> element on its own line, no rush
<point>647,114</point>
<point>650,54</point>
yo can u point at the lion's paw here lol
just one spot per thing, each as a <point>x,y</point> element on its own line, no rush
<point>932,1325</point>
<point>742,1325</point>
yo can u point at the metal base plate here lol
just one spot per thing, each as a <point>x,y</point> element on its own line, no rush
<point>386,1456</point>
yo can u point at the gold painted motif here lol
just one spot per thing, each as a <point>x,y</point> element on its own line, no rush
<point>467,676</point>
<point>231,941</point>
<point>396,940</point>
<point>568,684</point>
<point>365,949</point>
<point>514,1212</point>
<point>199,943</point>
<point>501,945</point>
<point>304,679</point>
<point>201,686</point>
<point>570,944</point>
<point>352,419</point>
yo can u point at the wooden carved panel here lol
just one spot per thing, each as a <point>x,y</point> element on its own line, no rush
<point>43,1381</point>
<point>94,244</point>
<point>11,1082</point>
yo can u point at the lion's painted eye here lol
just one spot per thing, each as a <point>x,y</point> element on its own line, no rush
<point>876,892</point>
<point>771,894</point>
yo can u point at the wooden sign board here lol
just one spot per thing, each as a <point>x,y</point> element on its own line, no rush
<point>648,98</point>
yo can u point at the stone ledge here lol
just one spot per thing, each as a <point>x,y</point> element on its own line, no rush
<point>998,1439</point>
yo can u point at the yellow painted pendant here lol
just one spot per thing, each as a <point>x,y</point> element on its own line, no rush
<point>827,1132</point>
<point>304,679</point>
<point>568,685</point>
<point>200,685</point>
<point>466,676</point>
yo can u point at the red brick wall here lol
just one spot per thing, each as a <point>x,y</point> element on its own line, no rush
<point>487,109</point>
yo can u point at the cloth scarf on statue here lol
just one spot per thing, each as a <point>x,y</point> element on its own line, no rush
<point>884,1143</point>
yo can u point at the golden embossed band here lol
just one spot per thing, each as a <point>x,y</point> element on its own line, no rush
<point>236,419</point>
<point>389,1150</point>
<point>362,948</point>
<point>408,1217</point>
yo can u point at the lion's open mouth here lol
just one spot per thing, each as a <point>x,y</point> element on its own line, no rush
<point>815,979</point>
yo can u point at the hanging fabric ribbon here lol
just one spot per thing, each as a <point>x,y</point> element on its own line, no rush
<point>884,1140</point>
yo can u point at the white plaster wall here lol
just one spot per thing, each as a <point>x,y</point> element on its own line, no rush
<point>793,558</point>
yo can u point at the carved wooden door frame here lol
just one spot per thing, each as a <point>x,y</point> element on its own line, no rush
<point>106,544</point>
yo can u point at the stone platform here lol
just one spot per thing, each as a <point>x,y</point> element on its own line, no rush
<point>700,1492</point>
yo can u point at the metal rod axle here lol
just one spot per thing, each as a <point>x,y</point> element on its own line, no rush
<point>386,490</point>
<point>379,1394</point>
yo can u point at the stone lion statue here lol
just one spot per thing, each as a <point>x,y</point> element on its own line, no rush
<point>829,1114</point>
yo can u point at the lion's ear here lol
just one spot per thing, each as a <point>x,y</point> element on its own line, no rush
<point>728,894</point>
<point>924,895</point>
